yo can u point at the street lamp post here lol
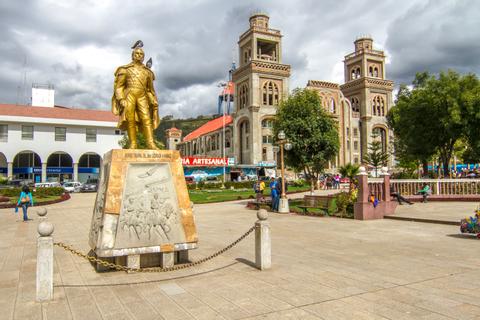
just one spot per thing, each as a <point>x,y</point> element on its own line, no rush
<point>283,142</point>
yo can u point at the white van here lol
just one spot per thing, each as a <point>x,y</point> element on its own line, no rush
<point>47,184</point>
<point>73,186</point>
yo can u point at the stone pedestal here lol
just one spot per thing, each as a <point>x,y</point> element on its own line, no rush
<point>283,206</point>
<point>142,208</point>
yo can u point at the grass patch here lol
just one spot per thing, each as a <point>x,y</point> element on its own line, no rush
<point>13,200</point>
<point>220,195</point>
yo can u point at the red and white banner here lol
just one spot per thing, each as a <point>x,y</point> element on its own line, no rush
<point>207,162</point>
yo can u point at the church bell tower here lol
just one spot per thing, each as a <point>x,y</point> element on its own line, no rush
<point>261,82</point>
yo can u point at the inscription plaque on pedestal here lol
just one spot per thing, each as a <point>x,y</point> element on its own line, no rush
<point>142,205</point>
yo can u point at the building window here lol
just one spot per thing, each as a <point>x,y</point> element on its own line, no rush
<point>264,154</point>
<point>118,132</point>
<point>247,144</point>
<point>267,139</point>
<point>355,145</point>
<point>348,145</point>
<point>27,132</point>
<point>3,133</point>
<point>355,132</point>
<point>348,131</point>
<point>378,106</point>
<point>355,104</point>
<point>243,96</point>
<point>332,106</point>
<point>91,135</point>
<point>355,160</point>
<point>267,123</point>
<point>60,134</point>
<point>270,94</point>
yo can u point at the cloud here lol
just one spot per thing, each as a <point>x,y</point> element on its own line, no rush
<point>76,45</point>
<point>435,36</point>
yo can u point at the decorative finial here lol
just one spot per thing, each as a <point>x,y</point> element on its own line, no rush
<point>362,171</point>
<point>45,228</point>
<point>262,214</point>
<point>42,212</point>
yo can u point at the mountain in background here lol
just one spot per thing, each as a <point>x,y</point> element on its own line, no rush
<point>186,125</point>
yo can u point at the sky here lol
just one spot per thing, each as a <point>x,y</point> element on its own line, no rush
<point>77,45</point>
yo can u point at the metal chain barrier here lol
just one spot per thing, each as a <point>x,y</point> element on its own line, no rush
<point>155,269</point>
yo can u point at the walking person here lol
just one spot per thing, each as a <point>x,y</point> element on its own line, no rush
<point>25,200</point>
<point>274,193</point>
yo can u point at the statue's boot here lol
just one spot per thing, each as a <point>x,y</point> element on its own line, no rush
<point>148,133</point>
<point>132,136</point>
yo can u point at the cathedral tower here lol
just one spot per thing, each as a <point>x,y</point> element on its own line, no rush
<point>261,82</point>
<point>370,95</point>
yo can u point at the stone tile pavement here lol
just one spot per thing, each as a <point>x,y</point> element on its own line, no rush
<point>323,268</point>
<point>437,211</point>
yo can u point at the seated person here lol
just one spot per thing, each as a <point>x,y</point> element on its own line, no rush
<point>373,200</point>
<point>399,198</point>
<point>425,192</point>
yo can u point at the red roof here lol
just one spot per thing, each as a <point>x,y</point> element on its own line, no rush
<point>210,126</point>
<point>173,129</point>
<point>57,113</point>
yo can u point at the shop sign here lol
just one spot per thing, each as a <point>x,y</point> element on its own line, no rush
<point>266,164</point>
<point>207,162</point>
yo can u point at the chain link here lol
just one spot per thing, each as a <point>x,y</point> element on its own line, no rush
<point>155,269</point>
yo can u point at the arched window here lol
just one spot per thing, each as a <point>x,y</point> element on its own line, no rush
<point>357,73</point>
<point>378,106</point>
<point>243,96</point>
<point>332,108</point>
<point>267,123</point>
<point>370,71</point>
<point>375,72</point>
<point>380,134</point>
<point>270,94</point>
<point>352,75</point>
<point>355,104</point>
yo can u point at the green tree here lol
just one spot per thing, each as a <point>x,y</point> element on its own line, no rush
<point>310,129</point>
<point>141,142</point>
<point>376,156</point>
<point>432,116</point>
<point>349,171</point>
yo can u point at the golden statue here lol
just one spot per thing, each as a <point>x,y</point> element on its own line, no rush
<point>134,99</point>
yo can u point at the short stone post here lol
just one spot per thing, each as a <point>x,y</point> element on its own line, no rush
<point>263,242</point>
<point>45,261</point>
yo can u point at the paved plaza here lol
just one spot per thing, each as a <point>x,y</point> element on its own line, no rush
<point>323,268</point>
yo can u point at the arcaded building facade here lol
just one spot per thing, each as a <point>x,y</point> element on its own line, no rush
<point>262,81</point>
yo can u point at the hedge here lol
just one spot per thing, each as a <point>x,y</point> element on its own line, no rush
<point>36,192</point>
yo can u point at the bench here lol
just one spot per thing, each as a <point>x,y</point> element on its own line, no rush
<point>322,203</point>
<point>257,204</point>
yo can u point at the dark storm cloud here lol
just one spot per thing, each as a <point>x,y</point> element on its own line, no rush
<point>433,37</point>
<point>76,45</point>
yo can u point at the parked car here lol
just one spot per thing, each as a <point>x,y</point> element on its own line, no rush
<point>74,186</point>
<point>12,184</point>
<point>47,185</point>
<point>90,186</point>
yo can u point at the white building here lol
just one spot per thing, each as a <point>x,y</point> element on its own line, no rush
<point>54,143</point>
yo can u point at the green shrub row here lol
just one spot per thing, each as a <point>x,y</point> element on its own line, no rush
<point>218,185</point>
<point>236,185</point>
<point>36,192</point>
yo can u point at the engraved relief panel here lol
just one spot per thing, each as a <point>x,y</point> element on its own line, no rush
<point>99,206</point>
<point>149,214</point>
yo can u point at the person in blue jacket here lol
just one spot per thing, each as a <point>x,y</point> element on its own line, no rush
<point>274,193</point>
<point>25,200</point>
